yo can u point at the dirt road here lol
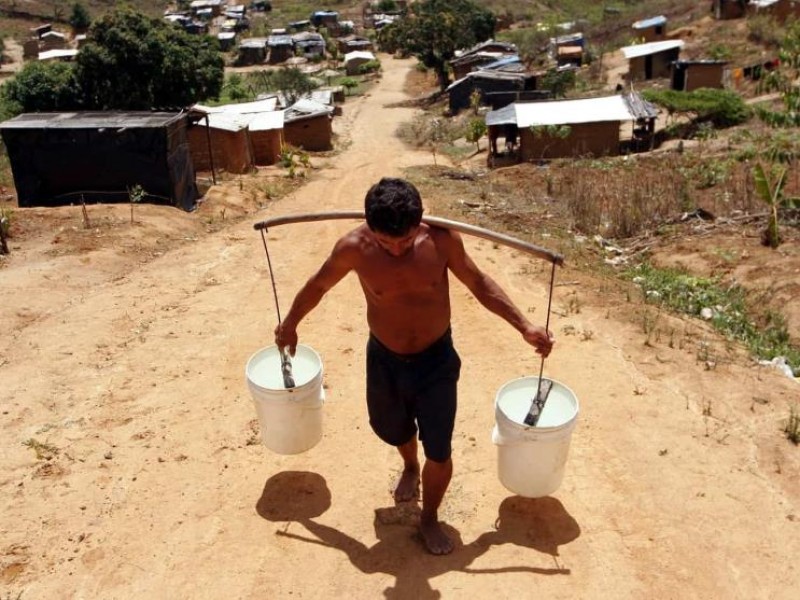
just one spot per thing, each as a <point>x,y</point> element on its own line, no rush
<point>127,381</point>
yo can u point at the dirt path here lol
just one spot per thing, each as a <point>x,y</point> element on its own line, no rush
<point>679,483</point>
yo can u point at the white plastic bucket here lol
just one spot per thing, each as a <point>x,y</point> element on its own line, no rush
<point>290,419</point>
<point>531,460</point>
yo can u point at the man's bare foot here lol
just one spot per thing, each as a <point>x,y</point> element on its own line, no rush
<point>434,537</point>
<point>408,485</point>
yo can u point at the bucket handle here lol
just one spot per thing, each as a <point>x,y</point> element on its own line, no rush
<point>537,404</point>
<point>286,363</point>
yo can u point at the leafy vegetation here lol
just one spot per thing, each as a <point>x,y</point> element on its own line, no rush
<point>766,337</point>
<point>132,62</point>
<point>723,108</point>
<point>433,30</point>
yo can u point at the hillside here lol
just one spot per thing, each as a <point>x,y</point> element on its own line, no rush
<point>130,465</point>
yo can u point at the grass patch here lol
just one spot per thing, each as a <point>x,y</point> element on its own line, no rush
<point>765,335</point>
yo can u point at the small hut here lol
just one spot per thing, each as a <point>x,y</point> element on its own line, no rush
<point>651,60</point>
<point>281,48</point>
<point>593,125</point>
<point>354,60</point>
<point>308,125</point>
<point>688,75</point>
<point>59,158</point>
<point>229,140</point>
<point>651,30</point>
<point>252,51</point>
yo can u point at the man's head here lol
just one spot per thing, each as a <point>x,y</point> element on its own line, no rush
<point>393,207</point>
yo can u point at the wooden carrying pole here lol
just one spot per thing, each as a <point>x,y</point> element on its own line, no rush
<point>480,232</point>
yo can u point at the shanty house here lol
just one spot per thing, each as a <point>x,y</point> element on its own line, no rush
<point>688,75</point>
<point>594,125</point>
<point>58,158</point>
<point>264,127</point>
<point>325,18</point>
<point>220,140</point>
<point>482,54</point>
<point>266,136</point>
<point>354,60</point>
<point>252,51</point>
<point>651,60</point>
<point>210,7</point>
<point>567,49</point>
<point>308,125</point>
<point>53,40</point>
<point>226,40</point>
<point>281,48</point>
<point>353,43</point>
<point>488,84</point>
<point>308,43</point>
<point>651,30</point>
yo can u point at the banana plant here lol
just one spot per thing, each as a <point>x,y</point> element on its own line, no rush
<point>769,185</point>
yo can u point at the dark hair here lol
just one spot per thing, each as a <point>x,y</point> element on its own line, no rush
<point>393,206</point>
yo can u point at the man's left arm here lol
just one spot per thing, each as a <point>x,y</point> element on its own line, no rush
<point>489,293</point>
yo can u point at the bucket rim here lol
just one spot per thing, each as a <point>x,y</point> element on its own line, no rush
<point>569,422</point>
<point>275,347</point>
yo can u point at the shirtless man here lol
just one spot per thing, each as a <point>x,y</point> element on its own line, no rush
<point>412,367</point>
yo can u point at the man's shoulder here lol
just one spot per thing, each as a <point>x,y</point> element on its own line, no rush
<point>354,241</point>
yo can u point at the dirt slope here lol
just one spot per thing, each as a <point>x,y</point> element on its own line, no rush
<point>130,364</point>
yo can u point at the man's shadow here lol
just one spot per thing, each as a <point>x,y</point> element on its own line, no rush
<point>540,524</point>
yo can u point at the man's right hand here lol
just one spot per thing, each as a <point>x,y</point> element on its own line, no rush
<point>286,337</point>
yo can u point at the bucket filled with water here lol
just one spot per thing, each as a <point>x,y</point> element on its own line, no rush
<point>290,418</point>
<point>532,459</point>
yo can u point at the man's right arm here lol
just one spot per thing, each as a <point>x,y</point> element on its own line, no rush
<point>336,266</point>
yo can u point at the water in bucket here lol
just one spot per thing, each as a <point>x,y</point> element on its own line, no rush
<point>531,460</point>
<point>290,419</point>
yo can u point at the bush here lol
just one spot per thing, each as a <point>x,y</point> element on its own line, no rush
<point>723,108</point>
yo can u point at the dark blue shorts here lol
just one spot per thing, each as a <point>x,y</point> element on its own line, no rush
<point>407,393</point>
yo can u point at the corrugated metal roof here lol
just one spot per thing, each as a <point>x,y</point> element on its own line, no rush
<point>305,108</point>
<point>358,54</point>
<point>257,106</point>
<point>651,22</point>
<point>567,39</point>
<point>571,112</point>
<point>650,48</point>
<point>501,62</point>
<point>91,120</point>
<point>487,75</point>
<point>253,43</point>
<point>267,120</point>
<point>502,116</point>
<point>55,54</point>
<point>505,46</point>
<point>279,40</point>
<point>227,121</point>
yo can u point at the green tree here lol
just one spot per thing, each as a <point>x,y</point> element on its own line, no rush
<point>433,30</point>
<point>41,87</point>
<point>133,62</point>
<point>476,129</point>
<point>79,18</point>
<point>293,83</point>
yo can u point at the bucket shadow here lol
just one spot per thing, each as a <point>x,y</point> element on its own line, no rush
<point>540,524</point>
<point>294,496</point>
